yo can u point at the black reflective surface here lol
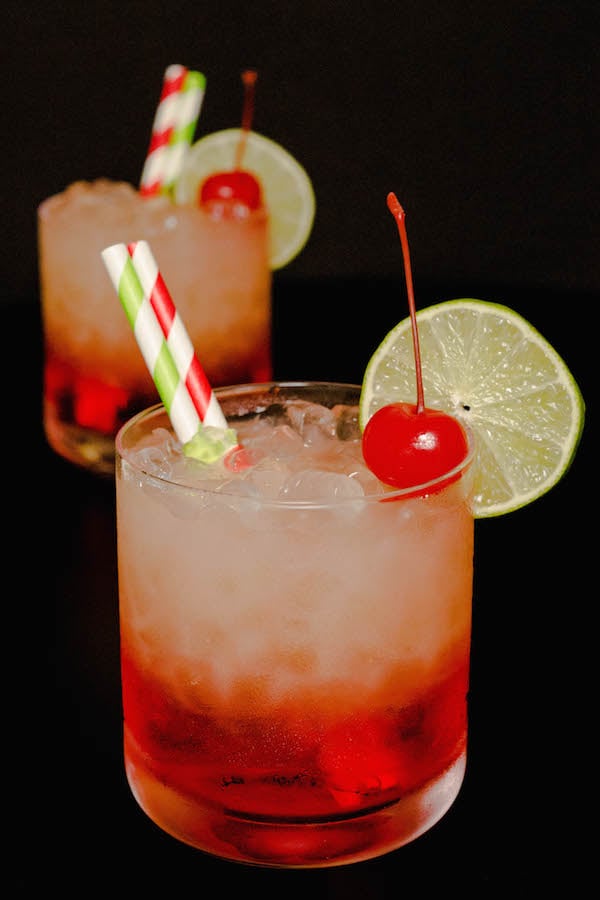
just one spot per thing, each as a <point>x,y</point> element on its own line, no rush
<point>74,827</point>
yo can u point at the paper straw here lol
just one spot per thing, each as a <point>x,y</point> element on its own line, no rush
<point>180,346</point>
<point>165,121</point>
<point>173,129</point>
<point>188,113</point>
<point>151,341</point>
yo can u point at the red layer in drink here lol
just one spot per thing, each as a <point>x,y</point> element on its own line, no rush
<point>287,763</point>
<point>88,402</point>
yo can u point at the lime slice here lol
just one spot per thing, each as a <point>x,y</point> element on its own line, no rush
<point>288,191</point>
<point>489,367</point>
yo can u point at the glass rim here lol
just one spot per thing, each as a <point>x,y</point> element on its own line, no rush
<point>55,201</point>
<point>418,491</point>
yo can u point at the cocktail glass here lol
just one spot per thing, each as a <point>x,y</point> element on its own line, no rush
<point>94,376</point>
<point>295,645</point>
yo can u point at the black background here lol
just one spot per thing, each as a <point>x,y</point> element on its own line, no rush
<point>483,119</point>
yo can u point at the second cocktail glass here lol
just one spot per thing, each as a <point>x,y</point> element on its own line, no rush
<point>94,376</point>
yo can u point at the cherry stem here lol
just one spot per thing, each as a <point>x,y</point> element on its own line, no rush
<point>249,80</point>
<point>398,213</point>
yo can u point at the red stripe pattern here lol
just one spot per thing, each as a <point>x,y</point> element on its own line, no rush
<point>161,133</point>
<point>194,376</point>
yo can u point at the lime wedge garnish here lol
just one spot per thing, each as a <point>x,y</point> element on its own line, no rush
<point>287,189</point>
<point>489,367</point>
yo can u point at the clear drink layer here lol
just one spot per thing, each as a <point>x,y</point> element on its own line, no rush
<point>216,270</point>
<point>295,638</point>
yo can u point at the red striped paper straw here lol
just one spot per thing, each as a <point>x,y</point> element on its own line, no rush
<point>151,341</point>
<point>173,129</point>
<point>165,120</point>
<point>167,350</point>
<point>191,97</point>
<point>180,346</point>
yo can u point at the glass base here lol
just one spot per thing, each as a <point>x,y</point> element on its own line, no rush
<point>85,447</point>
<point>319,844</point>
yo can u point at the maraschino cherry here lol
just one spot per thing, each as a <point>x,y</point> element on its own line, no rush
<point>236,190</point>
<point>407,444</point>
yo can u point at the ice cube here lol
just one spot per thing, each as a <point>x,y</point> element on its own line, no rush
<point>347,427</point>
<point>370,483</point>
<point>306,417</point>
<point>311,484</point>
<point>267,484</point>
<point>279,443</point>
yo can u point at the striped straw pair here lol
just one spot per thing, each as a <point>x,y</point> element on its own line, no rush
<point>164,342</point>
<point>172,130</point>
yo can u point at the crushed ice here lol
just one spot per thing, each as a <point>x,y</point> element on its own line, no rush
<point>310,453</point>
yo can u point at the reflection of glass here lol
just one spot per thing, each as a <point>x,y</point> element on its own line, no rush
<point>294,672</point>
<point>216,270</point>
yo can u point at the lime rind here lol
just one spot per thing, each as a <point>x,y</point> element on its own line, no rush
<point>487,365</point>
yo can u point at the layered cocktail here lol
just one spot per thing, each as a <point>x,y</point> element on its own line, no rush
<point>220,215</point>
<point>295,636</point>
<point>217,266</point>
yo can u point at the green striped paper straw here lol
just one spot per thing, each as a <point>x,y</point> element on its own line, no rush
<point>188,113</point>
<point>148,333</point>
<point>173,129</point>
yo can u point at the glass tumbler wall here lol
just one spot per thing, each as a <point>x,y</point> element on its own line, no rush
<point>294,671</point>
<point>216,269</point>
